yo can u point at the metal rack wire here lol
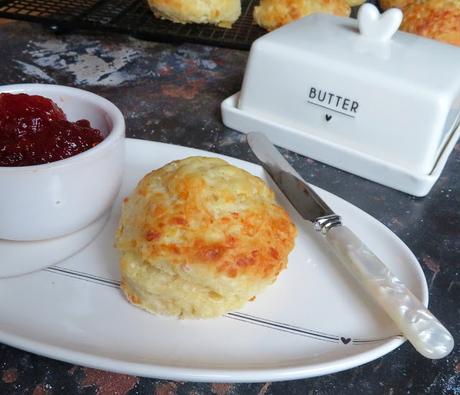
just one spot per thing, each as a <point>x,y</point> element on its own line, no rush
<point>132,17</point>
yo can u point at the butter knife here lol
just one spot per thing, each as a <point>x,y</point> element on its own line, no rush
<point>416,322</point>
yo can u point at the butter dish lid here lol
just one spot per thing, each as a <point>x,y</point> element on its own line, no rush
<point>356,94</point>
<point>371,43</point>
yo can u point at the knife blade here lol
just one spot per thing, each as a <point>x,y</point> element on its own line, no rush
<point>416,322</point>
<point>304,199</point>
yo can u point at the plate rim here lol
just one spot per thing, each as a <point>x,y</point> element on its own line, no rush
<point>179,373</point>
<point>227,375</point>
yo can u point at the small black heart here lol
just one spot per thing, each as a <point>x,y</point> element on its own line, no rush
<point>328,117</point>
<point>345,340</point>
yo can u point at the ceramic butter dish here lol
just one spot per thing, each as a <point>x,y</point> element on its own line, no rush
<point>356,94</point>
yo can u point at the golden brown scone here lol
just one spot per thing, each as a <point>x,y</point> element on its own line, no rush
<point>200,237</point>
<point>271,14</point>
<point>354,3</point>
<point>436,19</point>
<point>386,4</point>
<point>218,12</point>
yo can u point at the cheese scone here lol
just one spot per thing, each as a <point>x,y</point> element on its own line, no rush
<point>200,237</point>
<point>218,12</point>
<point>436,19</point>
<point>354,3</point>
<point>272,14</point>
<point>385,4</point>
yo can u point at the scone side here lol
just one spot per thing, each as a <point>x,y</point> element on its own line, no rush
<point>223,13</point>
<point>177,295</point>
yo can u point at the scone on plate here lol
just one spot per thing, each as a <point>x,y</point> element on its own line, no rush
<point>218,12</point>
<point>272,14</point>
<point>200,237</point>
<point>436,19</point>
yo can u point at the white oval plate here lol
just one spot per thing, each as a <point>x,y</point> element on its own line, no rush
<point>22,257</point>
<point>313,321</point>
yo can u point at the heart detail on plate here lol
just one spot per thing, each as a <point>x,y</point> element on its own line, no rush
<point>376,26</point>
<point>328,117</point>
<point>345,340</point>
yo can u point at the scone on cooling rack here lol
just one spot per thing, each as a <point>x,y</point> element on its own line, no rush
<point>354,3</point>
<point>436,19</point>
<point>200,237</point>
<point>218,12</point>
<point>385,4</point>
<point>272,14</point>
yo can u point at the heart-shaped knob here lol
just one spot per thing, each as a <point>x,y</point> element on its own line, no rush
<point>376,26</point>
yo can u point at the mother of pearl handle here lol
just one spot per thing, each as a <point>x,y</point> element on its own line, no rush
<point>414,320</point>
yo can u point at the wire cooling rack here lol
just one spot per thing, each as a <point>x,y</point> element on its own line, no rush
<point>132,17</point>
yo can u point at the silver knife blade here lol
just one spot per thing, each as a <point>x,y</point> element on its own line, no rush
<point>304,199</point>
<point>418,324</point>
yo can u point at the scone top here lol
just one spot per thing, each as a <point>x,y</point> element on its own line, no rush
<point>207,212</point>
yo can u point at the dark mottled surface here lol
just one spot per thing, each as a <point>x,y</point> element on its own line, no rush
<point>172,94</point>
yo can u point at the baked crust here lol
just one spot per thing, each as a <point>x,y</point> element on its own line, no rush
<point>219,12</point>
<point>436,19</point>
<point>272,14</point>
<point>200,237</point>
<point>386,4</point>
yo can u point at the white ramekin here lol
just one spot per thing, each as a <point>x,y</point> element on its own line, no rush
<point>55,199</point>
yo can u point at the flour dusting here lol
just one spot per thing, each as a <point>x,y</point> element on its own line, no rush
<point>88,63</point>
<point>34,71</point>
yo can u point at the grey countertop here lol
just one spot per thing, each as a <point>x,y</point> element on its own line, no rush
<point>172,94</point>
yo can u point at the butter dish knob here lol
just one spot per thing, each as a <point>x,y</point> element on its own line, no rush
<point>376,26</point>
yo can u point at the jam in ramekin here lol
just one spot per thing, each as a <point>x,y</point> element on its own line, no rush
<point>34,130</point>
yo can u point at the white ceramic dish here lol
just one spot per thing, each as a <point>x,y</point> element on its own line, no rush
<point>52,200</point>
<point>312,321</point>
<point>23,257</point>
<point>352,94</point>
<point>335,154</point>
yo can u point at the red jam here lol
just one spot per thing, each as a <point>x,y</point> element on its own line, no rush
<point>34,130</point>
